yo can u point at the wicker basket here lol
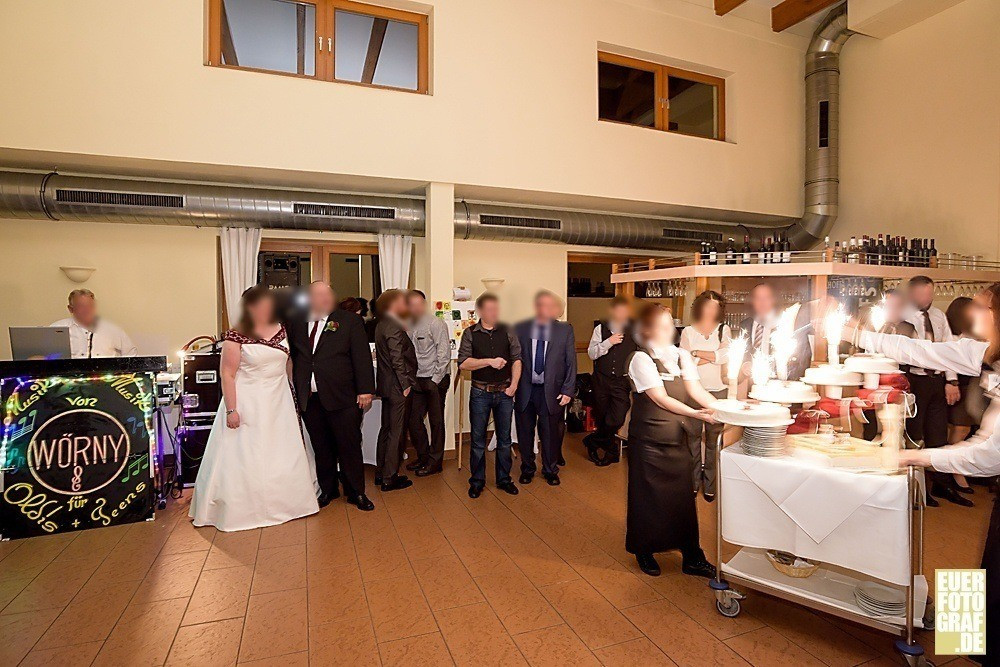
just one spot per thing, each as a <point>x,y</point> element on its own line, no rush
<point>799,572</point>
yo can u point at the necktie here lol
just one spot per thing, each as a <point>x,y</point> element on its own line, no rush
<point>928,327</point>
<point>539,367</point>
<point>312,335</point>
<point>758,334</point>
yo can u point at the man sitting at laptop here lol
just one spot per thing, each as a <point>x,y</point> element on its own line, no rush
<point>89,335</point>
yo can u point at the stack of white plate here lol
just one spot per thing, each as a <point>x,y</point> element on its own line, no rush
<point>764,441</point>
<point>878,600</point>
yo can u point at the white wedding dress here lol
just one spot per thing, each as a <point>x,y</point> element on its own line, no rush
<point>259,474</point>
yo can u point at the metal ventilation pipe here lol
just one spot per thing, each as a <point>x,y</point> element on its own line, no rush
<point>110,199</point>
<point>822,183</point>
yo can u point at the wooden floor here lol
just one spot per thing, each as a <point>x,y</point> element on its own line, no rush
<point>430,577</point>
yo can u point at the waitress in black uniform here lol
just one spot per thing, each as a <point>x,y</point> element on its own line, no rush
<point>661,513</point>
<point>965,356</point>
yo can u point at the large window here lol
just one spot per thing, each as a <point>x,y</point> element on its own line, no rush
<point>646,94</point>
<point>331,40</point>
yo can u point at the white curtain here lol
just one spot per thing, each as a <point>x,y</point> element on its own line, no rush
<point>394,253</point>
<point>239,264</point>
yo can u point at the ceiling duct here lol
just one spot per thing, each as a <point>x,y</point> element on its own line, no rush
<point>108,199</point>
<point>822,182</point>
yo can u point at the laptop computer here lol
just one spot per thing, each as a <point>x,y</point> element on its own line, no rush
<point>40,343</point>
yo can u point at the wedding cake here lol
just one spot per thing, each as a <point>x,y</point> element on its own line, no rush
<point>741,413</point>
<point>782,391</point>
<point>832,375</point>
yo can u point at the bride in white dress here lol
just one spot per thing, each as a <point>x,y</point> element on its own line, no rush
<point>255,471</point>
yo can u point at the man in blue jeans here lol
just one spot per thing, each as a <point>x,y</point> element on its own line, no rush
<point>492,353</point>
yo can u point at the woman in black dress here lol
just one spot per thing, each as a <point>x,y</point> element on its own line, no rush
<point>661,513</point>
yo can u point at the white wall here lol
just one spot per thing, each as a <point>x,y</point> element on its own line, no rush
<point>920,131</point>
<point>156,282</point>
<point>514,100</point>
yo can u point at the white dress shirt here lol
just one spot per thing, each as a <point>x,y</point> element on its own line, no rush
<point>645,375</point>
<point>536,339</point>
<point>976,458</point>
<point>766,325</point>
<point>598,347</point>
<point>942,334</point>
<point>106,340</point>
<point>319,325</point>
<point>717,341</point>
<point>432,343</point>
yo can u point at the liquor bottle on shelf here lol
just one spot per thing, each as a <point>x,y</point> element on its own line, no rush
<point>713,254</point>
<point>864,257</point>
<point>775,250</point>
<point>746,252</point>
<point>762,252</point>
<point>900,251</point>
<point>932,259</point>
<point>837,254</point>
<point>730,252</point>
<point>880,251</point>
<point>786,250</point>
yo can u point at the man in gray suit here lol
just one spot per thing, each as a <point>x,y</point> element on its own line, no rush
<point>760,325</point>
<point>547,385</point>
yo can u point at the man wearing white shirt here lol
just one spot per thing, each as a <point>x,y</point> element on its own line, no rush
<point>758,328</point>
<point>89,335</point>
<point>611,345</point>
<point>934,390</point>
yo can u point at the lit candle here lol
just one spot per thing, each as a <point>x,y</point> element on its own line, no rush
<point>783,340</point>
<point>737,350</point>
<point>834,325</point>
<point>760,368</point>
<point>876,315</point>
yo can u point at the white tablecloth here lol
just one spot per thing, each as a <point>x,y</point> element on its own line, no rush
<point>854,520</point>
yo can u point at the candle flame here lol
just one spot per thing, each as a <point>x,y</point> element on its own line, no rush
<point>783,340</point>
<point>760,368</point>
<point>876,315</point>
<point>737,350</point>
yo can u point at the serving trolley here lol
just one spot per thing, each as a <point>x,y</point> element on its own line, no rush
<point>750,569</point>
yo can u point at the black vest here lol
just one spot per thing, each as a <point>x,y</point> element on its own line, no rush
<point>487,345</point>
<point>615,362</point>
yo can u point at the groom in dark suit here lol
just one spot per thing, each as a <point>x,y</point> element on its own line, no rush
<point>334,384</point>
<point>396,378</point>
<point>547,385</point>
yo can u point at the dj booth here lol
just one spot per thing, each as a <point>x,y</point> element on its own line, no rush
<point>78,445</point>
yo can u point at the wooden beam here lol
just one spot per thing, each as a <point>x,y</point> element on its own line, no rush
<point>723,7</point>
<point>300,39</point>
<point>374,49</point>
<point>228,47</point>
<point>790,12</point>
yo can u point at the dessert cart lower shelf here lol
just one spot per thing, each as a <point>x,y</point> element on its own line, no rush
<point>828,590</point>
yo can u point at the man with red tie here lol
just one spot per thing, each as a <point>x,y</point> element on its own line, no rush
<point>334,383</point>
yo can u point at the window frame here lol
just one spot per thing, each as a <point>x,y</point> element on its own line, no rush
<point>662,75</point>
<point>324,41</point>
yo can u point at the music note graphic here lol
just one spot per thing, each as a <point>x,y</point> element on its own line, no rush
<point>135,425</point>
<point>136,467</point>
<point>23,426</point>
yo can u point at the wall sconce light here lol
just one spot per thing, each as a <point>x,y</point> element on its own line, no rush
<point>493,283</point>
<point>78,274</point>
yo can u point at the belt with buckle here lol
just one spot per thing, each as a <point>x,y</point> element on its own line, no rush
<point>490,387</point>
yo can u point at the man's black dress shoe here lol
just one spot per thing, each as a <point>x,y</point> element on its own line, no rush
<point>424,472</point>
<point>361,502</point>
<point>949,494</point>
<point>508,487</point>
<point>475,491</point>
<point>416,465</point>
<point>323,499</point>
<point>648,564</point>
<point>967,490</point>
<point>698,568</point>
<point>930,502</point>
<point>397,482</point>
<point>553,480</point>
<point>561,461</point>
<point>525,478</point>
<point>709,497</point>
<point>378,480</point>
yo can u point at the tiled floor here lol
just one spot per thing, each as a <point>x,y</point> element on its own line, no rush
<point>430,577</point>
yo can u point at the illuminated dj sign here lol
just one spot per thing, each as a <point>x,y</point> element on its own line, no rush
<point>75,453</point>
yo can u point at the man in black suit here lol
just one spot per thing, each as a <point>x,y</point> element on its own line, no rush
<point>547,385</point>
<point>334,384</point>
<point>396,375</point>
<point>760,325</point>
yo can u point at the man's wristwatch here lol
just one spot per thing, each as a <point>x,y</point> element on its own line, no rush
<point>953,383</point>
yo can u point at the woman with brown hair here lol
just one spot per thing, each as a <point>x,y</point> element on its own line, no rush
<point>661,513</point>
<point>976,355</point>
<point>707,339</point>
<point>968,410</point>
<point>256,470</point>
